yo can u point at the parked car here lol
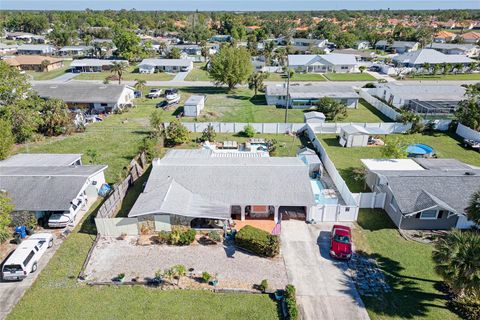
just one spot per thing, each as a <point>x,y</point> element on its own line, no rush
<point>171,94</point>
<point>341,242</point>
<point>162,104</point>
<point>184,69</point>
<point>154,93</point>
<point>25,258</point>
<point>61,220</point>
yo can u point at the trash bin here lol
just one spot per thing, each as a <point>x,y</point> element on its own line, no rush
<point>22,231</point>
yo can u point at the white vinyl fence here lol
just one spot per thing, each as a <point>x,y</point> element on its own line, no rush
<point>370,200</point>
<point>467,133</point>
<point>115,227</point>
<point>390,127</point>
<point>379,105</point>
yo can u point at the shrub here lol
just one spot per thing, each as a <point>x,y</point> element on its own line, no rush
<point>263,285</point>
<point>467,307</point>
<point>257,241</point>
<point>180,270</point>
<point>4,235</point>
<point>248,131</point>
<point>291,302</point>
<point>182,236</point>
<point>206,276</point>
<point>215,236</point>
<point>163,237</point>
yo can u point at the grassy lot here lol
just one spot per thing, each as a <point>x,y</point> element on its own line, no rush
<point>296,77</point>
<point>409,270</point>
<point>198,74</point>
<point>347,159</point>
<point>461,76</point>
<point>365,113</point>
<point>131,74</point>
<point>51,74</point>
<point>350,77</point>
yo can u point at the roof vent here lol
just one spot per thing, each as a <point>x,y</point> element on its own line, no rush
<point>470,173</point>
<point>53,87</point>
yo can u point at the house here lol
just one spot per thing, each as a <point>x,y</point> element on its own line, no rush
<point>75,51</point>
<point>26,37</point>
<point>306,96</point>
<point>471,37</point>
<point>85,95</point>
<point>8,48</point>
<point>312,63</point>
<point>444,36</point>
<point>35,63</point>
<point>426,99</point>
<point>165,65</point>
<point>357,136</point>
<point>397,46</point>
<point>359,54</point>
<point>417,59</point>
<point>189,186</point>
<point>93,65</point>
<point>303,45</point>
<point>43,184</point>
<point>193,106</point>
<point>313,117</point>
<point>424,193</point>
<point>469,50</point>
<point>221,38</point>
<point>362,45</point>
<point>36,49</point>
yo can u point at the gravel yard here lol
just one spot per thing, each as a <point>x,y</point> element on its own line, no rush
<point>234,268</point>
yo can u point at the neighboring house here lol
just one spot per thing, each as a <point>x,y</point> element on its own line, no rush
<point>92,65</point>
<point>425,99</point>
<point>444,36</point>
<point>35,63</point>
<point>397,46</point>
<point>85,95</point>
<point>306,45</point>
<point>306,96</point>
<point>193,106</point>
<point>165,65</point>
<point>75,51</point>
<point>357,136</point>
<point>362,45</point>
<point>424,193</point>
<point>189,186</point>
<point>417,59</point>
<point>313,117</point>
<point>26,37</point>
<point>36,49</point>
<point>359,54</point>
<point>8,48</point>
<point>312,63</point>
<point>43,184</point>
<point>221,38</point>
<point>471,37</point>
<point>469,50</point>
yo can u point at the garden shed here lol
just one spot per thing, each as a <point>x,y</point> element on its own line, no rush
<point>193,106</point>
<point>357,136</point>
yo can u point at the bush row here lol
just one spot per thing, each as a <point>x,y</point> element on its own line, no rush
<point>291,302</point>
<point>179,236</point>
<point>258,241</point>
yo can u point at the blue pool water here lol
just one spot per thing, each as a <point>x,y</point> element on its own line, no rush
<point>419,149</point>
<point>317,188</point>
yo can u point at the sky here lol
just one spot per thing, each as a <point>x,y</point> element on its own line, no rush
<point>235,5</point>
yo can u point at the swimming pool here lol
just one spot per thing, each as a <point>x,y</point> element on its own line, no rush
<point>322,196</point>
<point>419,149</point>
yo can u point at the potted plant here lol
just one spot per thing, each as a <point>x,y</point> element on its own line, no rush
<point>206,276</point>
<point>120,277</point>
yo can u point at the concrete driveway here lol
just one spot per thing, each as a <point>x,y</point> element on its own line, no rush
<point>324,289</point>
<point>180,76</point>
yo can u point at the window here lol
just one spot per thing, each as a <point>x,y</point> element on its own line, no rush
<point>428,214</point>
<point>393,204</point>
<point>29,257</point>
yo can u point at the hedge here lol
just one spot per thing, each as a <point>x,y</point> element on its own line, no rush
<point>257,241</point>
<point>291,302</point>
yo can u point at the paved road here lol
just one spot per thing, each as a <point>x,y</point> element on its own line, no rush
<point>324,289</point>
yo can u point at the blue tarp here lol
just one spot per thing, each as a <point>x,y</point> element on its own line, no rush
<point>104,190</point>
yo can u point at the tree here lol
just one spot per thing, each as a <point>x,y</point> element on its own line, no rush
<point>177,133</point>
<point>408,116</point>
<point>426,67</point>
<point>6,207</point>
<point>473,209</point>
<point>435,69</point>
<point>468,112</point>
<point>248,131</point>
<point>140,84</point>
<point>208,134</point>
<point>55,116</point>
<point>44,64</point>
<point>156,122</point>
<point>332,109</point>
<point>24,117</point>
<point>119,68</point>
<point>281,56</point>
<point>268,48</point>
<point>457,259</point>
<point>230,66</point>
<point>447,67</point>
<point>362,68</point>
<point>204,50</point>
<point>6,138</point>
<point>395,148</point>
<point>472,66</point>
<point>14,86</point>
<point>255,81</point>
<point>128,44</point>
<point>458,67</point>
<point>175,53</point>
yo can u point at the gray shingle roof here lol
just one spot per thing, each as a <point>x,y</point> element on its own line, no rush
<point>312,91</point>
<point>94,62</point>
<point>425,92</point>
<point>35,47</point>
<point>450,46</point>
<point>327,59</point>
<point>40,159</point>
<point>201,185</point>
<point>432,56</point>
<point>75,48</point>
<point>166,62</point>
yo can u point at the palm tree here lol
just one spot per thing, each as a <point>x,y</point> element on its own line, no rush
<point>426,67</point>
<point>44,64</point>
<point>281,56</point>
<point>362,68</point>
<point>447,67</point>
<point>140,84</point>
<point>457,258</point>
<point>473,66</point>
<point>119,68</point>
<point>473,209</point>
<point>458,67</point>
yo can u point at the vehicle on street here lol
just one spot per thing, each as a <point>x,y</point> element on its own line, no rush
<point>25,258</point>
<point>154,93</point>
<point>341,242</point>
<point>63,219</point>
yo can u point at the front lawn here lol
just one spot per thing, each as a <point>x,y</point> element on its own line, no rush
<point>347,159</point>
<point>460,76</point>
<point>296,77</point>
<point>350,77</point>
<point>198,74</point>
<point>130,74</point>
<point>50,74</point>
<point>409,269</point>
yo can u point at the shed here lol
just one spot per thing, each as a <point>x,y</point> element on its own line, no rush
<point>193,106</point>
<point>357,136</point>
<point>314,117</point>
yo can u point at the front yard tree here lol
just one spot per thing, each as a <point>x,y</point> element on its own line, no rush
<point>230,66</point>
<point>468,112</point>
<point>177,133</point>
<point>174,53</point>
<point>362,68</point>
<point>13,85</point>
<point>426,68</point>
<point>332,109</point>
<point>6,138</point>
<point>6,207</point>
<point>24,117</point>
<point>473,209</point>
<point>255,81</point>
<point>156,122</point>
<point>119,68</point>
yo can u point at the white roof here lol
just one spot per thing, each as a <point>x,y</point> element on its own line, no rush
<point>166,62</point>
<point>94,62</point>
<point>391,164</point>
<point>430,56</point>
<point>325,59</point>
<point>194,100</point>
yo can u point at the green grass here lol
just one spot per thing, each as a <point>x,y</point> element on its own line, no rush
<point>51,74</point>
<point>460,76</point>
<point>296,77</point>
<point>365,113</point>
<point>409,270</point>
<point>198,74</point>
<point>131,74</point>
<point>350,77</point>
<point>347,159</point>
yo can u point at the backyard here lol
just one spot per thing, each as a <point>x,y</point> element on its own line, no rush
<point>347,159</point>
<point>130,74</point>
<point>409,269</point>
<point>50,74</point>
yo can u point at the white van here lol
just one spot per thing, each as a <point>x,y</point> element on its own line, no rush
<point>25,258</point>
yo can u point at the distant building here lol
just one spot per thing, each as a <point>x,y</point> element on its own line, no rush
<point>36,49</point>
<point>74,51</point>
<point>397,46</point>
<point>35,63</point>
<point>417,59</point>
<point>466,49</point>
<point>92,65</point>
<point>165,65</point>
<point>312,63</point>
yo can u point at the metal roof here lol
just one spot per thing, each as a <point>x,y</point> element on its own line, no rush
<point>326,59</point>
<point>94,62</point>
<point>194,100</point>
<point>312,91</point>
<point>166,62</point>
<point>431,56</point>
<point>426,92</point>
<point>40,159</point>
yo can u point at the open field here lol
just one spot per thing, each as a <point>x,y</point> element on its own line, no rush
<point>51,74</point>
<point>409,270</point>
<point>347,159</point>
<point>350,77</point>
<point>460,76</point>
<point>130,74</point>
